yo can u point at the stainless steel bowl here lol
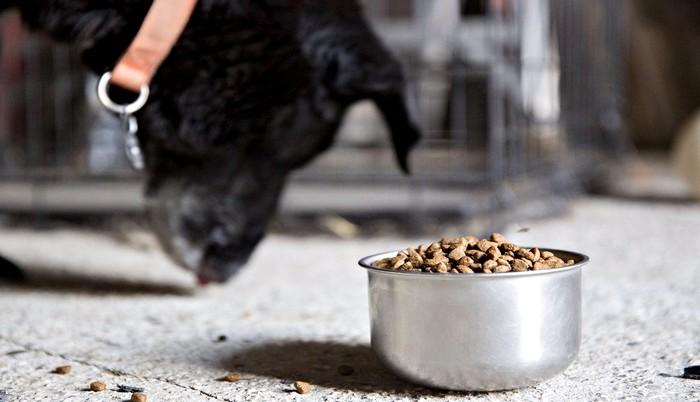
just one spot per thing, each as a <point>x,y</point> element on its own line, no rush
<point>476,332</point>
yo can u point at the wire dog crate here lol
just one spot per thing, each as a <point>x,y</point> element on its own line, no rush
<point>516,100</point>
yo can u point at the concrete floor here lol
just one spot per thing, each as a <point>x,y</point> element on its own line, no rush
<point>117,311</point>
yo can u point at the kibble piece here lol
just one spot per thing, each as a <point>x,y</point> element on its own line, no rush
<point>98,386</point>
<point>497,237</point>
<point>570,262</point>
<point>231,377</point>
<point>490,265</point>
<point>502,261</point>
<point>536,252</point>
<point>438,258</point>
<point>465,261</point>
<point>62,369</point>
<point>509,247</point>
<point>414,257</point>
<point>484,245</point>
<point>441,267</point>
<point>457,253</point>
<point>519,265</point>
<point>407,266</point>
<point>138,397</point>
<point>398,261</point>
<point>302,387</point>
<point>547,254</point>
<point>434,247</point>
<point>475,266</point>
<point>555,262</point>
<point>502,268</point>
<point>525,253</point>
<point>555,259</point>
<point>540,265</point>
<point>494,253</point>
<point>475,254</point>
<point>465,269</point>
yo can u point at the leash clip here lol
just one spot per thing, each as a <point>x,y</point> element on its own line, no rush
<point>128,121</point>
<point>121,109</point>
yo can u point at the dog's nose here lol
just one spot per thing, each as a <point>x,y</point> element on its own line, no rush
<point>203,279</point>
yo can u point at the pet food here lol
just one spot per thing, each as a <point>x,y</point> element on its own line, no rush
<point>98,386</point>
<point>231,377</point>
<point>469,255</point>
<point>138,397</point>
<point>302,387</point>
<point>62,369</point>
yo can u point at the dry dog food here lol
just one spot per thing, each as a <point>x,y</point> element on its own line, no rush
<point>98,386</point>
<point>62,370</point>
<point>138,397</point>
<point>302,387</point>
<point>468,255</point>
<point>231,377</point>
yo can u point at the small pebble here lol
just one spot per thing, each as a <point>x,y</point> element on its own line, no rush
<point>138,397</point>
<point>231,377</point>
<point>302,387</point>
<point>346,370</point>
<point>62,370</point>
<point>98,386</point>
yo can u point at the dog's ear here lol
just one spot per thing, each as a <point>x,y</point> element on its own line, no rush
<point>404,131</point>
<point>101,30</point>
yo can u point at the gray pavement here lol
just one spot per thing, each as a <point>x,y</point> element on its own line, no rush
<point>117,311</point>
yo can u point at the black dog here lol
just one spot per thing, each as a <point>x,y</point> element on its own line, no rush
<point>252,90</point>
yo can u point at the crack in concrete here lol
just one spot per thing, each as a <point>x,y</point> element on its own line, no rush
<point>116,372</point>
<point>193,389</point>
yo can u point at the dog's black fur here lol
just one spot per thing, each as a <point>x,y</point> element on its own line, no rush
<point>252,90</point>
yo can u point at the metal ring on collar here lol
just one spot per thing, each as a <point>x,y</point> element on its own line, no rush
<point>112,106</point>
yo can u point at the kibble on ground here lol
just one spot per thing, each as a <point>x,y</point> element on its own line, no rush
<point>469,255</point>
<point>98,386</point>
<point>231,377</point>
<point>138,397</point>
<point>302,387</point>
<point>62,370</point>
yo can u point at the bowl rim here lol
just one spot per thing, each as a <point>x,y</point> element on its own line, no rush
<point>581,260</point>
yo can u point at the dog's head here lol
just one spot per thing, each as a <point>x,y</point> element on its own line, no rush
<point>251,90</point>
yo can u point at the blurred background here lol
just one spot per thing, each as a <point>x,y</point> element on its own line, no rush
<point>523,104</point>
